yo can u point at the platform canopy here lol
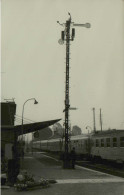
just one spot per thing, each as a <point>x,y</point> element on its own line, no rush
<point>28,128</point>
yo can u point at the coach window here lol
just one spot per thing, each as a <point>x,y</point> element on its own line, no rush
<point>102,142</point>
<point>93,143</point>
<point>97,143</point>
<point>86,142</point>
<point>121,141</point>
<point>108,142</point>
<point>114,141</point>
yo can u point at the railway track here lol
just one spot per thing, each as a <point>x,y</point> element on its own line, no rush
<point>105,168</point>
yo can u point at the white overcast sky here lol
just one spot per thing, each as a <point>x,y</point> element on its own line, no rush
<point>33,63</point>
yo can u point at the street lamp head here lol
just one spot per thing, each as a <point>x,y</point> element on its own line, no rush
<point>35,101</point>
<point>88,25</point>
<point>88,127</point>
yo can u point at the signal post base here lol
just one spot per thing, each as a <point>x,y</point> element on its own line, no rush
<point>66,162</point>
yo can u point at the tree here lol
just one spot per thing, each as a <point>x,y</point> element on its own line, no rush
<point>58,129</point>
<point>76,130</point>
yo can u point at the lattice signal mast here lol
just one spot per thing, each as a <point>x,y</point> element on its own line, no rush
<point>67,37</point>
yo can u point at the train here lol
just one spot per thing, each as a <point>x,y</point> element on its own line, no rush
<point>100,145</point>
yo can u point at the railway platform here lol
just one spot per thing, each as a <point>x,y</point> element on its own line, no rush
<point>81,181</point>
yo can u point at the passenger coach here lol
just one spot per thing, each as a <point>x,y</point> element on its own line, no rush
<point>108,145</point>
<point>105,145</point>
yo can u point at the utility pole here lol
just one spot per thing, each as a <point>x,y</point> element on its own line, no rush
<point>94,123</point>
<point>68,36</point>
<point>100,119</point>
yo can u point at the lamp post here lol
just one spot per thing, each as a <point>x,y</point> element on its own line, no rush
<point>35,102</point>
<point>88,127</point>
<point>94,123</point>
